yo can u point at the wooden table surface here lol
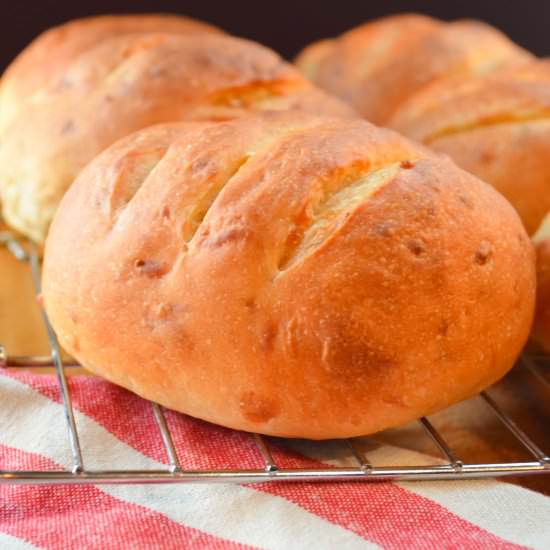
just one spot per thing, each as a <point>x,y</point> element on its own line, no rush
<point>21,328</point>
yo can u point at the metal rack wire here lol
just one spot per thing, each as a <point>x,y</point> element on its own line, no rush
<point>452,467</point>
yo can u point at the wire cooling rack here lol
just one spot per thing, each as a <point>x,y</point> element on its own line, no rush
<point>451,468</point>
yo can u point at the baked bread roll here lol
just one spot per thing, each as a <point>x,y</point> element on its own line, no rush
<point>130,82</point>
<point>48,56</point>
<point>496,127</point>
<point>380,64</point>
<point>541,326</point>
<point>288,274</point>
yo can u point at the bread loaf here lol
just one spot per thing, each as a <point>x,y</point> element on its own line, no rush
<point>288,274</point>
<point>126,83</point>
<point>496,127</point>
<point>48,56</point>
<point>379,65</point>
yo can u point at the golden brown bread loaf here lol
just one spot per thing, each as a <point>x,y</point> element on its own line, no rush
<point>126,83</point>
<point>380,64</point>
<point>48,56</point>
<point>496,127</point>
<point>288,274</point>
<point>541,326</point>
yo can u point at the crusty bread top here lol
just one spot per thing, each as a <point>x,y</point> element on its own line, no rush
<point>47,57</point>
<point>362,50</point>
<point>288,274</point>
<point>129,82</point>
<point>380,64</point>
<point>507,96</point>
<point>496,127</point>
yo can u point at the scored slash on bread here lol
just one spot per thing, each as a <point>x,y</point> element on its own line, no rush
<point>288,274</point>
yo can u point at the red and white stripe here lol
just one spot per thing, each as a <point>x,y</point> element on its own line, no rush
<point>118,429</point>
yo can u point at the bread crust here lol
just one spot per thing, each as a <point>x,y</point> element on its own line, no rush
<point>49,55</point>
<point>496,126</point>
<point>288,275</point>
<point>379,65</point>
<point>130,82</point>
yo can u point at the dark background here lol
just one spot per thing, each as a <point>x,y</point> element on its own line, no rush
<point>284,25</point>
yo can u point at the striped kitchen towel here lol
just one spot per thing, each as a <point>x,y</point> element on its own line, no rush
<point>118,431</point>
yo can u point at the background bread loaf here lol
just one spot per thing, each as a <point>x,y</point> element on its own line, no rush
<point>496,127</point>
<point>125,83</point>
<point>379,65</point>
<point>48,56</point>
<point>288,274</point>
